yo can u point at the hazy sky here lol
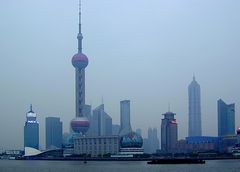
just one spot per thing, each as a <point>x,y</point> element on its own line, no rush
<point>142,50</point>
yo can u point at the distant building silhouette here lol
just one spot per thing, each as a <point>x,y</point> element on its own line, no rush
<point>139,131</point>
<point>115,129</point>
<point>125,125</point>
<point>169,132</point>
<point>101,122</point>
<point>53,133</point>
<point>226,118</point>
<point>151,144</point>
<point>194,109</point>
<point>31,130</point>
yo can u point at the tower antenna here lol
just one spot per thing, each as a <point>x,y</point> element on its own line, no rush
<point>80,36</point>
<point>169,107</point>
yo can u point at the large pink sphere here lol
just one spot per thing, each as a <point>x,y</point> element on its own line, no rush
<point>80,61</point>
<point>80,125</point>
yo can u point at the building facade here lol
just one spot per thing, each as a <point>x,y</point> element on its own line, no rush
<point>96,146</point>
<point>151,144</point>
<point>115,129</point>
<point>53,133</point>
<point>194,109</point>
<point>226,118</point>
<point>101,123</point>
<point>169,133</point>
<point>31,130</point>
<point>198,144</point>
<point>125,125</point>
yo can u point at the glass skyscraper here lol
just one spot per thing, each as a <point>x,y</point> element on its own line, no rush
<point>125,125</point>
<point>194,109</point>
<point>226,118</point>
<point>31,130</point>
<point>53,133</point>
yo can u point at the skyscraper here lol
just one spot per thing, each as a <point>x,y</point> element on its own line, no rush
<point>53,133</point>
<point>101,122</point>
<point>169,132</point>
<point>226,118</point>
<point>80,61</point>
<point>125,125</point>
<point>31,130</point>
<point>151,144</point>
<point>194,109</point>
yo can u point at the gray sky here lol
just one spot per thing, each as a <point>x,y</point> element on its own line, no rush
<point>142,50</point>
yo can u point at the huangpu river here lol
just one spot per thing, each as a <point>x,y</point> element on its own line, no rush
<point>115,166</point>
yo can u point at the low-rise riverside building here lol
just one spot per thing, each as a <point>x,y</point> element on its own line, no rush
<point>96,146</point>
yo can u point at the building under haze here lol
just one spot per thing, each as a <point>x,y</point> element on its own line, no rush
<point>151,143</point>
<point>125,126</point>
<point>53,133</point>
<point>226,118</point>
<point>101,122</point>
<point>169,133</point>
<point>115,129</point>
<point>31,130</point>
<point>194,109</point>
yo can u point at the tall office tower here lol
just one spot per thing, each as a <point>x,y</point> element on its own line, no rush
<point>194,109</point>
<point>153,140</point>
<point>80,124</point>
<point>125,125</point>
<point>101,122</point>
<point>226,118</point>
<point>54,133</point>
<point>31,130</point>
<point>169,132</point>
<point>88,113</point>
<point>115,129</point>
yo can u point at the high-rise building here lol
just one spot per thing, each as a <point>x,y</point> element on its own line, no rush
<point>194,109</point>
<point>53,133</point>
<point>169,132</point>
<point>151,143</point>
<point>226,118</point>
<point>153,139</point>
<point>125,125</point>
<point>101,122</point>
<point>80,124</point>
<point>115,129</point>
<point>31,130</point>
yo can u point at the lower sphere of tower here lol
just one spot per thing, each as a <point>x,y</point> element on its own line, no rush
<point>80,125</point>
<point>80,61</point>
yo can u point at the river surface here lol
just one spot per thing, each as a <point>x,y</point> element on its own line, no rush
<point>115,166</point>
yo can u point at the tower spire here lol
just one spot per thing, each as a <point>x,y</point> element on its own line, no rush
<point>80,37</point>
<point>31,108</point>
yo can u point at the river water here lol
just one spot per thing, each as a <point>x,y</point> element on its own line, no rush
<point>115,166</point>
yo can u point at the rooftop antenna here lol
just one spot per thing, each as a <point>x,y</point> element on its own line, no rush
<point>102,100</point>
<point>169,108</point>
<point>31,107</point>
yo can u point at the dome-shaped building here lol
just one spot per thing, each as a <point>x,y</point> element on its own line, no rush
<point>131,140</point>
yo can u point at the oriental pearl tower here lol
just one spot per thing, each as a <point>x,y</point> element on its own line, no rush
<point>80,124</point>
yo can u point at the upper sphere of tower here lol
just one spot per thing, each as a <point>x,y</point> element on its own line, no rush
<point>80,61</point>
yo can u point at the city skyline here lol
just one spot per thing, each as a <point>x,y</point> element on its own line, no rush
<point>46,74</point>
